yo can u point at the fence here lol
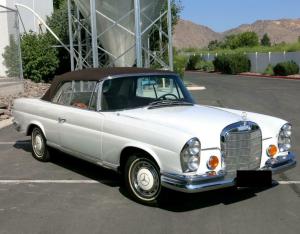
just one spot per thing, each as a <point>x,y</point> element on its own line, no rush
<point>260,61</point>
<point>10,51</point>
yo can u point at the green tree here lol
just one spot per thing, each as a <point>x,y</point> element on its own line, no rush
<point>265,41</point>
<point>215,44</point>
<point>248,39</point>
<point>176,8</point>
<point>58,22</point>
<point>58,3</point>
<point>231,42</point>
<point>245,39</point>
<point>39,57</point>
<point>11,58</point>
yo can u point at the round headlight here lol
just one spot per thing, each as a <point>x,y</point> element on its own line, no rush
<point>190,155</point>
<point>284,138</point>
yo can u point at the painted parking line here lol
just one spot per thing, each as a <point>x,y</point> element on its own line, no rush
<point>14,142</point>
<point>288,182</point>
<point>196,88</point>
<point>49,182</point>
<point>88,182</point>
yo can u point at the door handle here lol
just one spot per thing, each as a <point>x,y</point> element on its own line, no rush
<point>61,120</point>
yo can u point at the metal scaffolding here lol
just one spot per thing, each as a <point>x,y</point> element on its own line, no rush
<point>88,41</point>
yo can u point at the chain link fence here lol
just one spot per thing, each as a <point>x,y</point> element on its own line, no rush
<point>10,51</point>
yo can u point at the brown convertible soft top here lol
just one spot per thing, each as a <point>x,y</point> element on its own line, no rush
<point>96,74</point>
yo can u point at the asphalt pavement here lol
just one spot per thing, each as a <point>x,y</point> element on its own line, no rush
<point>97,203</point>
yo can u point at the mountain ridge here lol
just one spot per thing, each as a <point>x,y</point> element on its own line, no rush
<point>189,34</point>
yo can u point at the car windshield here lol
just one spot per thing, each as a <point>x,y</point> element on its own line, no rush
<point>153,91</point>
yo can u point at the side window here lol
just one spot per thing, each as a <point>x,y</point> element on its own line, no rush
<point>75,93</point>
<point>63,94</point>
<point>94,98</point>
<point>82,93</point>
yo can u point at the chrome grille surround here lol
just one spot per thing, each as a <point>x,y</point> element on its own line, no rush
<point>241,146</point>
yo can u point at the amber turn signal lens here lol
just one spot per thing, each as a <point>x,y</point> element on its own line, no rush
<point>213,162</point>
<point>272,150</point>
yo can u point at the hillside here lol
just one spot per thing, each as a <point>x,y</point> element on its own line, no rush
<point>188,34</point>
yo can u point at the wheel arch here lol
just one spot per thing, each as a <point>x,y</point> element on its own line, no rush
<point>32,125</point>
<point>129,150</point>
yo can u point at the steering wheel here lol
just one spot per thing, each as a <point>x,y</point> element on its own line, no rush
<point>163,97</point>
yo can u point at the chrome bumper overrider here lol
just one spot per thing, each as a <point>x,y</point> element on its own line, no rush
<point>201,183</point>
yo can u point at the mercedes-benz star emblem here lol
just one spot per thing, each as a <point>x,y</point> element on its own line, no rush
<point>144,179</point>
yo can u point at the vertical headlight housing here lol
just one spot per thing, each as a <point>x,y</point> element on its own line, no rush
<point>190,155</point>
<point>284,138</point>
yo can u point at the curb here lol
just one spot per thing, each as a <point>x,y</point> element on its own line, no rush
<point>6,123</point>
<point>250,75</point>
<point>272,77</point>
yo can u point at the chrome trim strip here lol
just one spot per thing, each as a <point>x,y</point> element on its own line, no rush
<point>267,138</point>
<point>196,183</point>
<point>281,163</point>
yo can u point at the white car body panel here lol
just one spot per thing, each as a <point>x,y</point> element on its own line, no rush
<point>162,132</point>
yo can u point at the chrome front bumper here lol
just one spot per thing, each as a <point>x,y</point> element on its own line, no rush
<point>201,183</point>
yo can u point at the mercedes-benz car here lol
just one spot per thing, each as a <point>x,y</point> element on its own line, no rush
<point>145,125</point>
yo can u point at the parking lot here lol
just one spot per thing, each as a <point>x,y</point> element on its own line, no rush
<point>68,195</point>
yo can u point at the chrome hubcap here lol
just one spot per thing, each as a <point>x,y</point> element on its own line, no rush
<point>144,179</point>
<point>38,143</point>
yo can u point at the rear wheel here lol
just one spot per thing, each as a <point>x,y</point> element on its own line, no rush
<point>40,150</point>
<point>142,179</point>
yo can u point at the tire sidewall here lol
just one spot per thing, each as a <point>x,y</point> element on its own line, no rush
<point>129,184</point>
<point>45,157</point>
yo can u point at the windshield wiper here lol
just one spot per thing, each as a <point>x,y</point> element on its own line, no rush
<point>163,103</point>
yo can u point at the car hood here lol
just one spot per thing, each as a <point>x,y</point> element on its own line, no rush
<point>203,122</point>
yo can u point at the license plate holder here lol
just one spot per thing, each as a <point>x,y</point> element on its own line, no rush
<point>251,178</point>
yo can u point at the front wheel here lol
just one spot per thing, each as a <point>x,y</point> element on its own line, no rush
<point>142,179</point>
<point>40,150</point>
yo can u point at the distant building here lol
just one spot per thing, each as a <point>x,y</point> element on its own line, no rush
<point>28,22</point>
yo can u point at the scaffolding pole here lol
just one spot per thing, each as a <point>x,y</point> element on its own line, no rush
<point>138,36</point>
<point>94,34</point>
<point>170,45</point>
<point>71,36</point>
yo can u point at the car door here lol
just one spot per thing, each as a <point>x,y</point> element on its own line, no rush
<point>80,125</point>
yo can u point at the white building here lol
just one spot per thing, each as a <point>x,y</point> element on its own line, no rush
<point>27,22</point>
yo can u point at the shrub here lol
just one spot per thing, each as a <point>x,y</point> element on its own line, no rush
<point>205,66</point>
<point>192,62</point>
<point>232,63</point>
<point>286,68</point>
<point>11,58</point>
<point>269,70</point>
<point>180,63</point>
<point>39,58</point>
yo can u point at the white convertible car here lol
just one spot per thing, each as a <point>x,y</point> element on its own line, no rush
<point>144,124</point>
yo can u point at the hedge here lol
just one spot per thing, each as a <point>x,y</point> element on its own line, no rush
<point>232,63</point>
<point>286,68</point>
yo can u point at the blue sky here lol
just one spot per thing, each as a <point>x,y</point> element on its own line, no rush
<point>221,15</point>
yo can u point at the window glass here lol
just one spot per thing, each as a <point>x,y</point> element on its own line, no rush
<point>81,93</point>
<point>134,92</point>
<point>63,95</point>
<point>94,98</point>
<point>75,93</point>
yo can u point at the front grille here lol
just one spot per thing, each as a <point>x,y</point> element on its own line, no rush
<point>241,145</point>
